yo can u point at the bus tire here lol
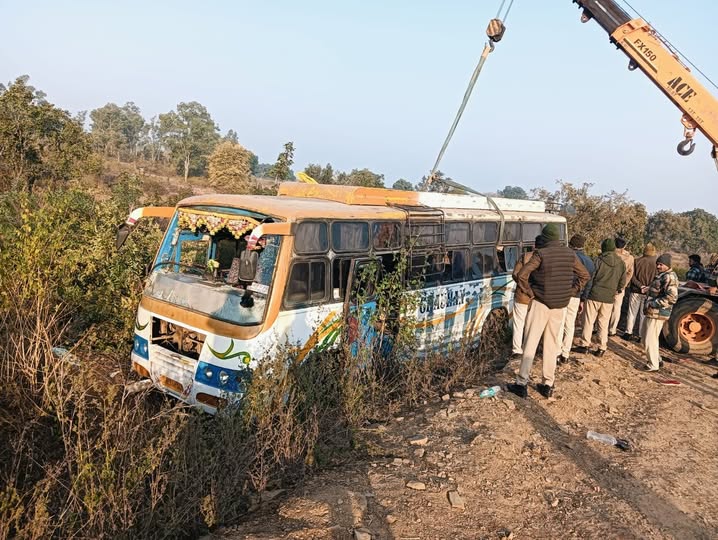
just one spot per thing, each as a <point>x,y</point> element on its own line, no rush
<point>693,326</point>
<point>495,341</point>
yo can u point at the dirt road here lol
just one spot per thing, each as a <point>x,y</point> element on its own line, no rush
<point>524,468</point>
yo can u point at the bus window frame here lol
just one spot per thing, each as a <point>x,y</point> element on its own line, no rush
<point>370,236</point>
<point>289,305</point>
<point>309,254</point>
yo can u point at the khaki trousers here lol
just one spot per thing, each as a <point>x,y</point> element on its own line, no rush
<point>520,311</point>
<point>569,327</point>
<point>616,313</point>
<point>650,333</point>
<point>635,311</point>
<point>541,321</point>
<point>596,311</point>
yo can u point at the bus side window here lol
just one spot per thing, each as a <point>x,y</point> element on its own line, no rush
<point>508,257</point>
<point>340,277</point>
<point>483,262</point>
<point>307,283</point>
<point>455,270</point>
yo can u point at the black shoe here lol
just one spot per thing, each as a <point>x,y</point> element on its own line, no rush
<point>598,353</point>
<point>715,375</point>
<point>627,337</point>
<point>518,389</point>
<point>516,356</point>
<point>637,339</point>
<point>545,390</point>
<point>580,349</point>
<point>561,360</point>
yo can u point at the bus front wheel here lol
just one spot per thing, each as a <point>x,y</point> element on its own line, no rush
<point>693,326</point>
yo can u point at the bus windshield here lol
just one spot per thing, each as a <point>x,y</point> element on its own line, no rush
<point>206,265</point>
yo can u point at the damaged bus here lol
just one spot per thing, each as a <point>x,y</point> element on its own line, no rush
<point>237,277</point>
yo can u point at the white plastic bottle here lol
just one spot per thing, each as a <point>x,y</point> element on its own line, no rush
<point>490,392</point>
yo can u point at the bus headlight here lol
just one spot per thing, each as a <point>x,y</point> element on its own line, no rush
<point>208,373</point>
<point>223,377</point>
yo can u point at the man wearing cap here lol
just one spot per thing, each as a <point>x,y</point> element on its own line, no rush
<point>661,296</point>
<point>577,242</point>
<point>521,303</point>
<point>643,275</point>
<point>628,261</point>
<point>550,278</point>
<point>608,280</point>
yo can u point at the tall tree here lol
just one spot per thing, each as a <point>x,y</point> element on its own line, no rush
<point>38,141</point>
<point>229,167</point>
<point>282,169</point>
<point>513,192</point>
<point>152,140</point>
<point>361,177</point>
<point>132,127</point>
<point>231,136</point>
<point>323,175</point>
<point>190,134</point>
<point>598,216</point>
<point>403,185</point>
<point>436,185</point>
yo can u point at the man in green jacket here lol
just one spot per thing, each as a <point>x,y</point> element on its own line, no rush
<point>609,279</point>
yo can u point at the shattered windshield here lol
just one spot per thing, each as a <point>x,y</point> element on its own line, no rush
<point>205,265</point>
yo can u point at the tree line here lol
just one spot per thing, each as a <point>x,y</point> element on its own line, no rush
<point>41,144</point>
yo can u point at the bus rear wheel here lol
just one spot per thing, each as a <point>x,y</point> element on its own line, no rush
<point>693,326</point>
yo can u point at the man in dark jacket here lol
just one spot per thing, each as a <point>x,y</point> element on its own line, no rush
<point>643,275</point>
<point>521,303</point>
<point>696,272</point>
<point>576,243</point>
<point>609,279</point>
<point>551,278</point>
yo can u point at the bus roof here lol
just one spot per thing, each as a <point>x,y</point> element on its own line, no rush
<point>297,201</point>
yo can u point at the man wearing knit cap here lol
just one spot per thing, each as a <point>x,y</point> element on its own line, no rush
<point>609,279</point>
<point>629,261</point>
<point>643,275</point>
<point>521,302</point>
<point>576,243</point>
<point>551,277</point>
<point>661,296</point>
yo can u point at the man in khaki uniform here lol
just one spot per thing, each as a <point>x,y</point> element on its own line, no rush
<point>629,261</point>
<point>608,280</point>
<point>551,277</point>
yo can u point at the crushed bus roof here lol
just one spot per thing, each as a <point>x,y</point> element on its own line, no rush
<point>298,201</point>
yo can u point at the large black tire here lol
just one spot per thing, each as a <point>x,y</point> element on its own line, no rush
<point>693,326</point>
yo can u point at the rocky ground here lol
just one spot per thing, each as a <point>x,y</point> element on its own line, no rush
<point>470,468</point>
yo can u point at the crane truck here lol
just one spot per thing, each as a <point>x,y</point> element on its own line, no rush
<point>693,326</point>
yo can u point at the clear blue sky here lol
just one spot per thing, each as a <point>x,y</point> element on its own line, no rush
<point>376,84</point>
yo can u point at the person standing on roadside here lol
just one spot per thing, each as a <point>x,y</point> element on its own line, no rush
<point>661,296</point>
<point>696,272</point>
<point>577,242</point>
<point>629,261</point>
<point>609,279</point>
<point>643,275</point>
<point>550,278</point>
<point>521,303</point>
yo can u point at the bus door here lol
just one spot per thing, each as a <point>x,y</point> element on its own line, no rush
<point>363,327</point>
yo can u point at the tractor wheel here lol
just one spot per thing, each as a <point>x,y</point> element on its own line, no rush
<point>693,326</point>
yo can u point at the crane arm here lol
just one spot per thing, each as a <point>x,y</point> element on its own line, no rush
<point>648,52</point>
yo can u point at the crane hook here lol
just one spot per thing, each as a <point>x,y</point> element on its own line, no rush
<point>686,147</point>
